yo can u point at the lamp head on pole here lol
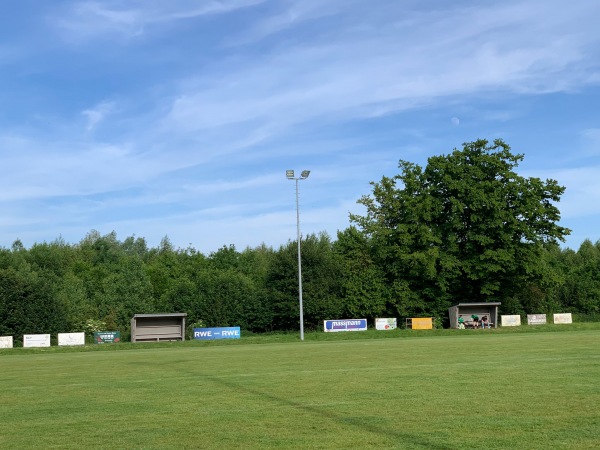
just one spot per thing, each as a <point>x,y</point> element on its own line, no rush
<point>304,175</point>
<point>289,174</point>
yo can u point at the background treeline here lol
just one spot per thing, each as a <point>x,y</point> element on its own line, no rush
<point>467,227</point>
<point>56,287</point>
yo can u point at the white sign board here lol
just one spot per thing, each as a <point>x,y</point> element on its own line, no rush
<point>389,323</point>
<point>563,318</point>
<point>71,338</point>
<point>511,321</point>
<point>36,340</point>
<point>536,319</point>
<point>6,342</point>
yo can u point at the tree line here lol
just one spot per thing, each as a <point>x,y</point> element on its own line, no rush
<point>465,228</point>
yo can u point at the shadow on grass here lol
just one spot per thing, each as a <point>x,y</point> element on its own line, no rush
<point>355,421</point>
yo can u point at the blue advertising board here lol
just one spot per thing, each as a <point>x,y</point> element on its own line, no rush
<point>208,334</point>
<point>345,325</point>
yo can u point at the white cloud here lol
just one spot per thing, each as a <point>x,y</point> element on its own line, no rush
<point>97,114</point>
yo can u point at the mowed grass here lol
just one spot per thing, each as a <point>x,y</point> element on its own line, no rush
<point>478,390</point>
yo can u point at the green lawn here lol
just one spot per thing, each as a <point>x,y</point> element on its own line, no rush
<point>452,391</point>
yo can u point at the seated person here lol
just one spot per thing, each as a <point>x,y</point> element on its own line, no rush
<point>475,318</point>
<point>461,323</point>
<point>484,322</point>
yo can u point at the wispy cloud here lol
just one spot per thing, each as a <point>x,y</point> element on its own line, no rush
<point>182,115</point>
<point>365,72</point>
<point>289,15</point>
<point>85,20</point>
<point>97,114</point>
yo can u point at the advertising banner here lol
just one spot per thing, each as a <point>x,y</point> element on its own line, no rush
<point>563,318</point>
<point>386,323</point>
<point>536,319</point>
<point>71,339</point>
<point>345,325</point>
<point>422,323</point>
<point>511,321</point>
<point>107,337</point>
<point>36,340</point>
<point>6,342</point>
<point>209,334</point>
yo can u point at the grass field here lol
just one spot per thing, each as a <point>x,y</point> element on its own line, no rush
<point>447,391</point>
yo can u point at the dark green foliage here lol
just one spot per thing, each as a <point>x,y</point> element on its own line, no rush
<point>364,290</point>
<point>28,304</point>
<point>321,283</point>
<point>580,288</point>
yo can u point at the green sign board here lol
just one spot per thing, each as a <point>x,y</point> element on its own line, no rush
<point>107,337</point>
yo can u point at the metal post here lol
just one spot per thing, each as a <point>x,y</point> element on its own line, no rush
<point>299,266</point>
<point>303,176</point>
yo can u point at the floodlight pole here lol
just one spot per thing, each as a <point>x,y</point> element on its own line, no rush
<point>303,176</point>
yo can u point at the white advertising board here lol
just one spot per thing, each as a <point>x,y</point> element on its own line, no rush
<point>36,340</point>
<point>511,321</point>
<point>71,339</point>
<point>389,323</point>
<point>563,318</point>
<point>536,319</point>
<point>6,342</point>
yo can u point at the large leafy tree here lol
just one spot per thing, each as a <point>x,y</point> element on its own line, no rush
<point>363,286</point>
<point>467,227</point>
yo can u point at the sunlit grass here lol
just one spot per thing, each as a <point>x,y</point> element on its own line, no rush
<point>455,390</point>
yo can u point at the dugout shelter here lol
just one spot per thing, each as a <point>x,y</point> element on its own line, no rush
<point>158,327</point>
<point>481,309</point>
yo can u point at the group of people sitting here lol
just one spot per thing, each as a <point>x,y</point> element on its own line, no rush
<point>475,322</point>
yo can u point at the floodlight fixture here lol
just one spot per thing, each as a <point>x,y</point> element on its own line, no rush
<point>289,174</point>
<point>304,175</point>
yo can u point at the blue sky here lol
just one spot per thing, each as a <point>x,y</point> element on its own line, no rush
<point>179,118</point>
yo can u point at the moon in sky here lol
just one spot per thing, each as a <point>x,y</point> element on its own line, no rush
<point>455,121</point>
